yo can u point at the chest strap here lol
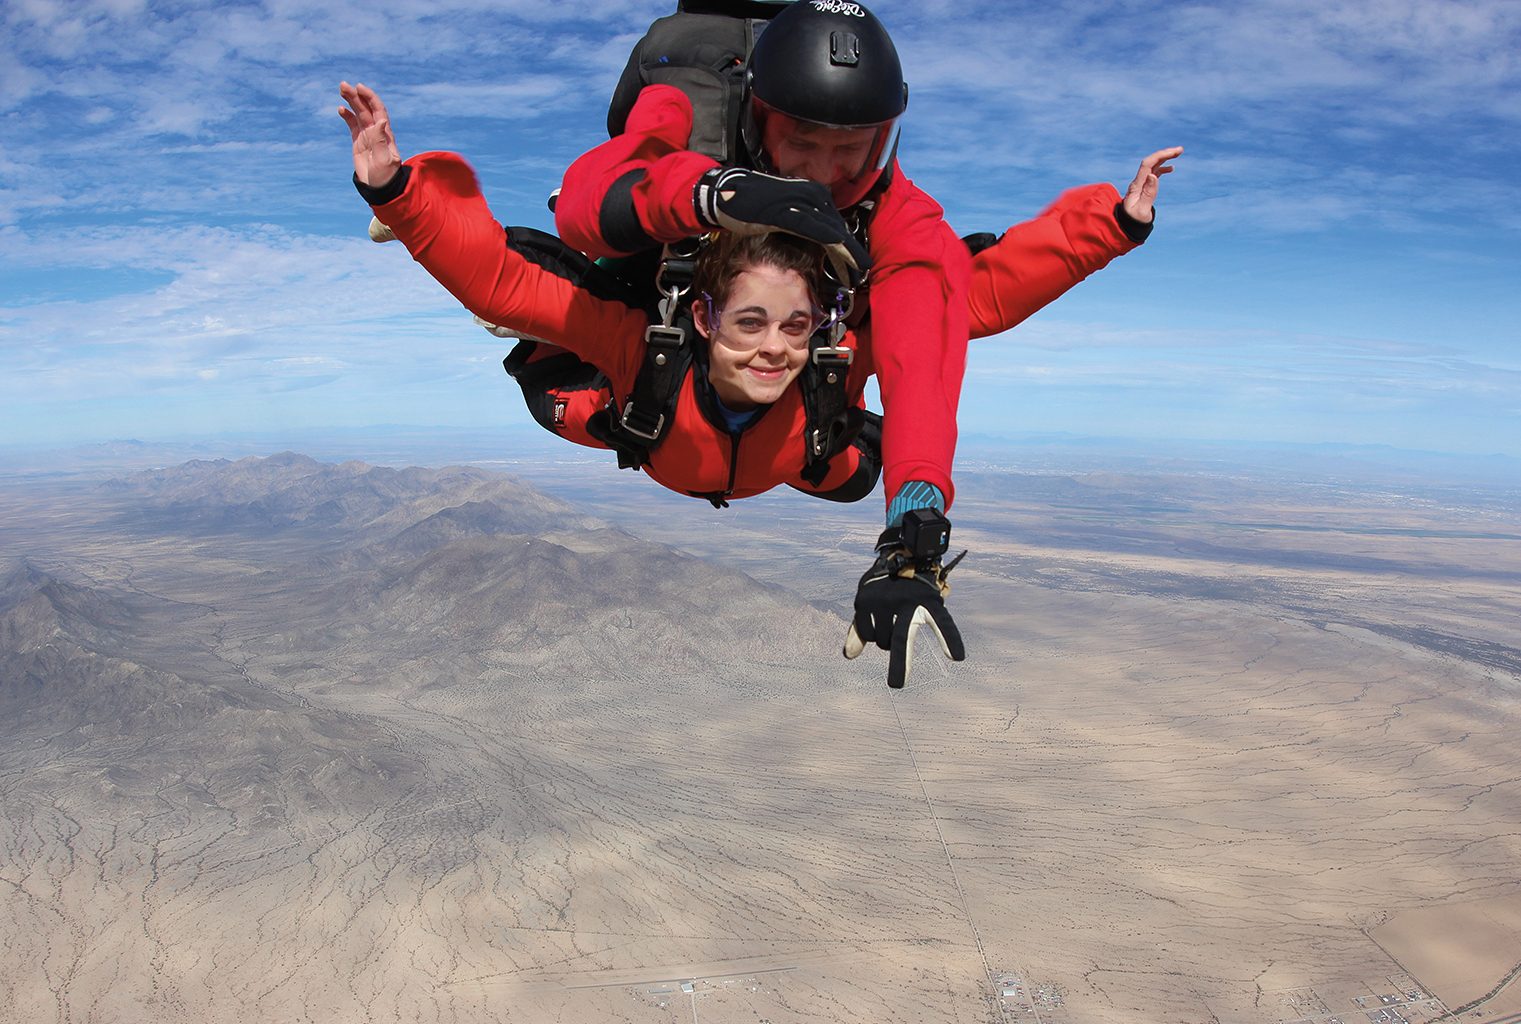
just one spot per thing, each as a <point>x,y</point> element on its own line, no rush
<point>830,421</point>
<point>638,427</point>
<point>648,410</point>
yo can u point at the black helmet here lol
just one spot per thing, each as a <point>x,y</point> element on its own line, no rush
<point>829,64</point>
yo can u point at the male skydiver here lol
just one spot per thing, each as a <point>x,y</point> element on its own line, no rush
<point>826,93</point>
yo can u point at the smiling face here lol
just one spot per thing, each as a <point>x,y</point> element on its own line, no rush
<point>758,335</point>
<point>829,156</point>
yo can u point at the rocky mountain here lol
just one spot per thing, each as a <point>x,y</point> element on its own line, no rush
<point>87,679</point>
<point>279,492</point>
<point>269,582</point>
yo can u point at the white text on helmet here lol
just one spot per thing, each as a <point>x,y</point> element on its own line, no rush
<point>838,7</point>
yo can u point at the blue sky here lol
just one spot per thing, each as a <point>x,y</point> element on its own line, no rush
<point>181,253</point>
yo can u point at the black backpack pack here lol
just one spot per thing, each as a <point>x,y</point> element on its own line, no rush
<point>701,50</point>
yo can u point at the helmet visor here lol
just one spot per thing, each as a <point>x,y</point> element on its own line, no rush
<point>847,158</point>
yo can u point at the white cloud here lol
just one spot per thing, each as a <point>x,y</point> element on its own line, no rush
<point>245,306</point>
<point>1322,97</point>
<point>521,96</point>
<point>1292,370</point>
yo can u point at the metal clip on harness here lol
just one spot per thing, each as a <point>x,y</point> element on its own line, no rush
<point>835,354</point>
<point>663,343</point>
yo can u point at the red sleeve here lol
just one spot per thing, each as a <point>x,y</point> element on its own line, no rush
<point>635,191</point>
<point>1035,262</point>
<point>919,283</point>
<point>442,219</point>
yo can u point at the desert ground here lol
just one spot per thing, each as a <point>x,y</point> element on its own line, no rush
<point>289,741</point>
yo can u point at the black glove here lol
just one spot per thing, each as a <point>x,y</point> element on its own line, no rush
<point>752,203</point>
<point>898,594</point>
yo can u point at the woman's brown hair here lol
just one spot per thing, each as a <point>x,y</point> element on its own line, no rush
<point>728,254</point>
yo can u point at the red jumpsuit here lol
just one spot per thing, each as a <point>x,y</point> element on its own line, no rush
<point>444,222</point>
<point>636,190</point>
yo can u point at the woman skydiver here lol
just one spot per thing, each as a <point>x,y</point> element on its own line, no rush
<point>738,424</point>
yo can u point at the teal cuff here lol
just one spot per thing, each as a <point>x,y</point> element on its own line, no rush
<point>912,495</point>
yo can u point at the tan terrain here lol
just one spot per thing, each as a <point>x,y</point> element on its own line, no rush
<point>290,742</point>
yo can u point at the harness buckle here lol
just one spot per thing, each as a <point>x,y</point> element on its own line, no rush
<point>834,326</point>
<point>650,435</point>
<point>816,443</point>
<point>664,338</point>
<point>838,356</point>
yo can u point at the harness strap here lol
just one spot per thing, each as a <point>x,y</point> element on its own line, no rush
<point>552,371</point>
<point>833,424</point>
<point>830,422</point>
<point>647,411</point>
<point>631,454</point>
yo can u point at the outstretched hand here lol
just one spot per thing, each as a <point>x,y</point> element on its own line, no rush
<point>1141,196</point>
<point>376,158</point>
<point>889,612</point>
<point>897,595</point>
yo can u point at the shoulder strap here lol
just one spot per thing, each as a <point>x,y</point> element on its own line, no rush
<point>647,411</point>
<point>549,252</point>
<point>830,422</point>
